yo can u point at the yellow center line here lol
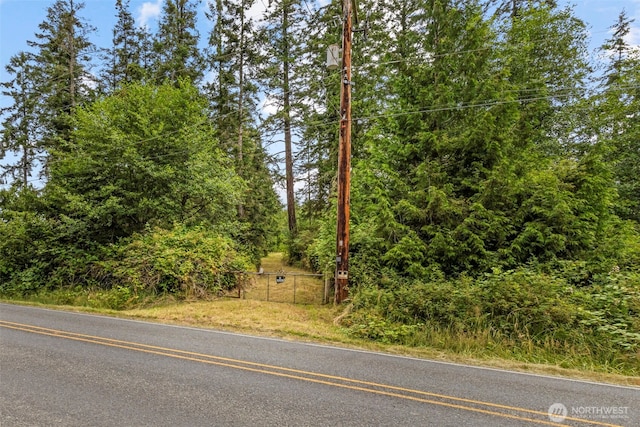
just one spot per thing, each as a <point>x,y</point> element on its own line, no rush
<point>289,373</point>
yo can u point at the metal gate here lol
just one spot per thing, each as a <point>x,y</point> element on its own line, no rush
<point>289,287</point>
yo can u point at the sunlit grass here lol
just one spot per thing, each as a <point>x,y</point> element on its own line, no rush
<point>322,324</point>
<point>299,286</point>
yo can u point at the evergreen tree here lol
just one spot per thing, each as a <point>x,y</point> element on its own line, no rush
<point>512,8</point>
<point>21,131</point>
<point>619,116</point>
<point>282,39</point>
<point>222,59</point>
<point>50,84</point>
<point>175,47</point>
<point>443,139</point>
<point>125,58</point>
<point>232,58</point>
<point>63,55</point>
<point>319,92</point>
<point>233,95</point>
<point>462,169</point>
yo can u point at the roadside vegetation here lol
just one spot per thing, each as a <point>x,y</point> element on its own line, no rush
<point>513,320</point>
<point>495,187</point>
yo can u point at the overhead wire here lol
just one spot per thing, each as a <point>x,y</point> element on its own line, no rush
<point>430,109</point>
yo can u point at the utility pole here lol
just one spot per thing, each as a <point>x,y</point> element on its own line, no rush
<point>344,157</point>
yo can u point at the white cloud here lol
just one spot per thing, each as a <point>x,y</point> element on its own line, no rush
<point>633,38</point>
<point>257,11</point>
<point>270,106</point>
<point>149,11</point>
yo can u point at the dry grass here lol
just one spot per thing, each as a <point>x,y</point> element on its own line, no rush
<point>259,317</point>
<point>299,286</point>
<point>316,323</point>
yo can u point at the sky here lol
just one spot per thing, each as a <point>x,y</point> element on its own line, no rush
<point>19,20</point>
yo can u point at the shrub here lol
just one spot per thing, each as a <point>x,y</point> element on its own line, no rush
<point>523,310</point>
<point>188,262</point>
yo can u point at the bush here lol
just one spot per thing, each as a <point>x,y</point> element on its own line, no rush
<point>188,262</point>
<point>29,252</point>
<point>520,309</point>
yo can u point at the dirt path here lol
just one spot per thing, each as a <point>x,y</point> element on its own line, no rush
<point>284,283</point>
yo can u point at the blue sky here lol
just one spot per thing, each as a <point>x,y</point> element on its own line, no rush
<point>19,20</point>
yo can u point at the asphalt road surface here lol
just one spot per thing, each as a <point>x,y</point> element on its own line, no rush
<point>69,369</point>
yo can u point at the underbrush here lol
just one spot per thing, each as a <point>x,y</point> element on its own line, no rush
<point>184,263</point>
<point>522,315</point>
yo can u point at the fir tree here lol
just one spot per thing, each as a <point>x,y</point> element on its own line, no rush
<point>125,57</point>
<point>63,54</point>
<point>175,47</point>
<point>282,41</point>
<point>619,117</point>
<point>21,127</point>
<point>233,95</point>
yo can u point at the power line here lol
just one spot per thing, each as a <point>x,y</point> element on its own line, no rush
<point>431,109</point>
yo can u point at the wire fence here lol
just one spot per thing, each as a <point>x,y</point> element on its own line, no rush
<point>289,287</point>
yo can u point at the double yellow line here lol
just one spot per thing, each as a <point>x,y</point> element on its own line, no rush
<point>487,408</point>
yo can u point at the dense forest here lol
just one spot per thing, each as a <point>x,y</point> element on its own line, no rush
<point>495,167</point>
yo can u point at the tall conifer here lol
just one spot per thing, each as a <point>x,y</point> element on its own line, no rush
<point>21,127</point>
<point>175,47</point>
<point>125,58</point>
<point>63,80</point>
<point>277,73</point>
<point>619,117</point>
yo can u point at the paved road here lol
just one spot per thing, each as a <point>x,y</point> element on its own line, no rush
<point>68,369</point>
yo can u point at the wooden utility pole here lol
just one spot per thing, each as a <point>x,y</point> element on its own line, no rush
<point>344,157</point>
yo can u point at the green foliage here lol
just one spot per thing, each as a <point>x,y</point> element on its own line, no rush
<point>382,330</point>
<point>127,55</point>
<point>175,47</point>
<point>615,116</point>
<point>37,251</point>
<point>447,181</point>
<point>20,121</point>
<point>144,156</point>
<point>612,310</point>
<point>62,81</point>
<point>144,159</point>
<point>184,262</point>
<point>187,262</point>
<point>523,307</point>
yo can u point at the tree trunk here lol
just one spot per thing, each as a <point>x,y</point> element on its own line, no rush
<point>291,200</point>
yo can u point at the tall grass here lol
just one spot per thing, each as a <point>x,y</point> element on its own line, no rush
<point>520,315</point>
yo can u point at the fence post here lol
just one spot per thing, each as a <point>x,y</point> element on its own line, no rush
<point>294,289</point>
<point>325,297</point>
<point>268,276</point>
